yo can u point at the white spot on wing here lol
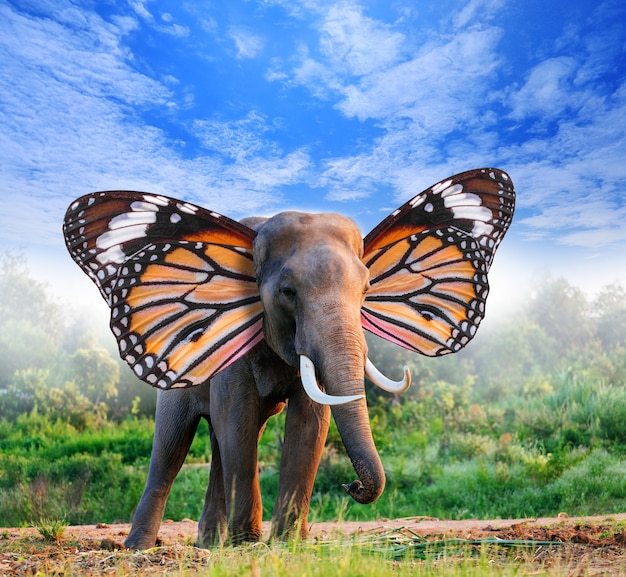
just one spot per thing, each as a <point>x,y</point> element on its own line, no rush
<point>140,206</point>
<point>160,200</point>
<point>466,199</point>
<point>188,208</point>
<point>481,228</point>
<point>134,218</point>
<point>113,254</point>
<point>118,236</point>
<point>478,213</point>
<point>441,186</point>
<point>457,188</point>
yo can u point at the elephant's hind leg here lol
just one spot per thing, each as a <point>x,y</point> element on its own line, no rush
<point>176,422</point>
<point>213,525</point>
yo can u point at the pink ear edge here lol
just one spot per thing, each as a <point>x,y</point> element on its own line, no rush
<point>239,344</point>
<point>375,329</point>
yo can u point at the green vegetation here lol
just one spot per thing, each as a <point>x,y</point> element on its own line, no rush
<point>51,529</point>
<point>529,420</point>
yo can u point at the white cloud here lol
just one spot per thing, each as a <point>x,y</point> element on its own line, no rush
<point>377,73</point>
<point>548,91</point>
<point>318,78</point>
<point>235,139</point>
<point>437,88</point>
<point>573,181</point>
<point>139,6</point>
<point>358,44</point>
<point>209,24</point>
<point>415,97</point>
<point>170,27</point>
<point>482,10</point>
<point>248,44</point>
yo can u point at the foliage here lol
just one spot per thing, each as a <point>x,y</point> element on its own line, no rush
<point>527,420</point>
<point>54,362</point>
<point>51,529</point>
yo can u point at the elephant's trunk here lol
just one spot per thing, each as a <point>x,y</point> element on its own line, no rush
<point>342,374</point>
<point>357,438</point>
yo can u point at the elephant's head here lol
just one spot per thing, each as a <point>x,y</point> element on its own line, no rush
<point>191,291</point>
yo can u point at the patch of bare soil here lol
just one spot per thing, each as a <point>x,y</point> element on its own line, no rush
<point>581,545</point>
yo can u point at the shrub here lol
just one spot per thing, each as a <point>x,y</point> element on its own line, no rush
<point>50,529</point>
<point>596,484</point>
<point>611,415</point>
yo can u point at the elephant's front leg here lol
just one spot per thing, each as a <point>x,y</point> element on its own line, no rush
<point>236,421</point>
<point>306,428</point>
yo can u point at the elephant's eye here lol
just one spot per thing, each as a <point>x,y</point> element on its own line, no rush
<point>288,292</point>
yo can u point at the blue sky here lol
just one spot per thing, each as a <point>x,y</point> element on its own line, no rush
<point>253,107</point>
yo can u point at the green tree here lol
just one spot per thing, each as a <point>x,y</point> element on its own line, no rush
<point>24,345</point>
<point>32,392</point>
<point>509,356</point>
<point>95,373</point>
<point>562,311</point>
<point>25,299</point>
<point>29,320</point>
<point>609,309</point>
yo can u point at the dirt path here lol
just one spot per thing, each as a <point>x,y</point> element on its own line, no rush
<point>598,542</point>
<point>566,529</point>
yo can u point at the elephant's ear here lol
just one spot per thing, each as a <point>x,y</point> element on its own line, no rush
<point>179,281</point>
<point>429,261</point>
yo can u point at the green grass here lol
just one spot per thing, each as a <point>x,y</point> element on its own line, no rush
<point>52,530</point>
<point>51,470</point>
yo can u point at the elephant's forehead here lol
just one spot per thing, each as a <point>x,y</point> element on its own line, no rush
<point>296,227</point>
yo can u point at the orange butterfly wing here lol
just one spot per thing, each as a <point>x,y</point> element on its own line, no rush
<point>429,261</point>
<point>179,281</point>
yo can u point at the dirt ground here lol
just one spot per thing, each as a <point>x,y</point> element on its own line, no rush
<point>593,545</point>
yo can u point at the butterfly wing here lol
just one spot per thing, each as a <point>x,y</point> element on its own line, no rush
<point>429,261</point>
<point>179,281</point>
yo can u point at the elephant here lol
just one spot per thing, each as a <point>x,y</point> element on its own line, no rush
<point>238,321</point>
<point>296,255</point>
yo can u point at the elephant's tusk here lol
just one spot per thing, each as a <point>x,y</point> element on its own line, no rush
<point>386,384</point>
<point>309,382</point>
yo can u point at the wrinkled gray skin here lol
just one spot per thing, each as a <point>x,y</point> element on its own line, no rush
<point>312,284</point>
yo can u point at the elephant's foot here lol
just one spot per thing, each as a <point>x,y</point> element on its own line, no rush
<point>291,527</point>
<point>139,538</point>
<point>244,536</point>
<point>209,538</point>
